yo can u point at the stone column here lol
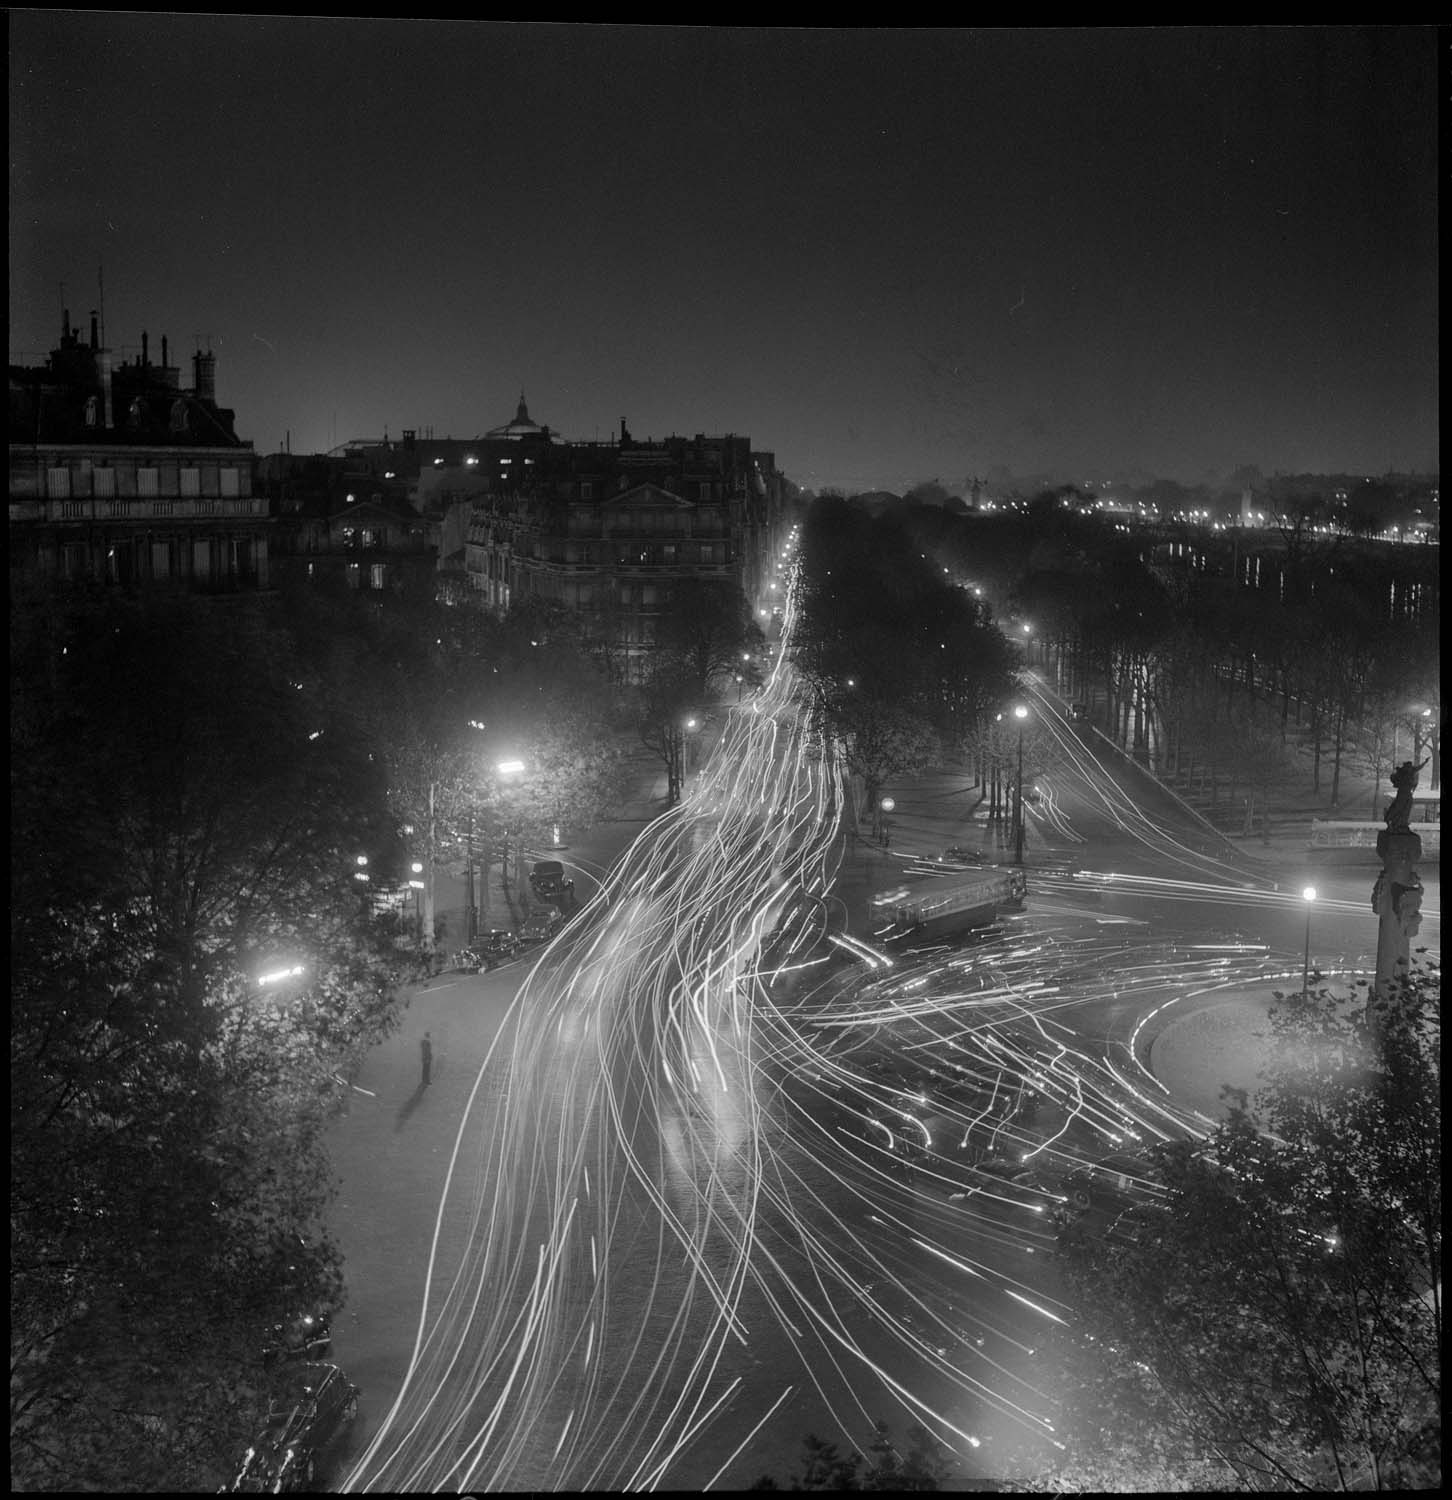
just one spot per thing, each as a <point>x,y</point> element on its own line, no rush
<point>1396,898</point>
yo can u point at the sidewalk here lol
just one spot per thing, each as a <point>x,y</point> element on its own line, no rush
<point>596,850</point>
<point>391,1148</point>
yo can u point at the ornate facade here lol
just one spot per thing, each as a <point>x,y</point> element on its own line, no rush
<point>606,528</point>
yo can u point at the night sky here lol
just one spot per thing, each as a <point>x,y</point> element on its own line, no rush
<point>886,256</point>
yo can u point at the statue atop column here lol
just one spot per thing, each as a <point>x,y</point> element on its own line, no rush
<point>1396,897</point>
<point>1399,809</point>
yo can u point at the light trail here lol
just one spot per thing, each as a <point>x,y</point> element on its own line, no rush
<point>713,1131</point>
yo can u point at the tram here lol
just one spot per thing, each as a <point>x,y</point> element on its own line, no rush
<point>934,907</point>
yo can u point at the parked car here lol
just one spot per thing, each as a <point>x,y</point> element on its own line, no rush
<point>1078,710</point>
<point>547,880</point>
<point>540,925</point>
<point>309,1415</point>
<point>960,855</point>
<point>497,946</point>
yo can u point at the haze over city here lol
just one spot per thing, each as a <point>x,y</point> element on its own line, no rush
<point>889,256</point>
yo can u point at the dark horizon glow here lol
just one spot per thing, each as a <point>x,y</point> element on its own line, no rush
<point>886,256</point>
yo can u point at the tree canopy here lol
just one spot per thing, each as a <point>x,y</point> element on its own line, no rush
<point>1275,1323</point>
<point>186,818</point>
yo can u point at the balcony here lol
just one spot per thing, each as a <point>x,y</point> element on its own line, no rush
<point>160,507</point>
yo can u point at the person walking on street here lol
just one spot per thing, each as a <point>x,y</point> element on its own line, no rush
<point>426,1050</point>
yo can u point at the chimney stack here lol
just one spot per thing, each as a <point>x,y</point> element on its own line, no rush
<point>163,352</point>
<point>204,376</point>
<point>95,342</point>
<point>103,357</point>
<point>145,350</point>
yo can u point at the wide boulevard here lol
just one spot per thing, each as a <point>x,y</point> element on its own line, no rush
<point>730,1174</point>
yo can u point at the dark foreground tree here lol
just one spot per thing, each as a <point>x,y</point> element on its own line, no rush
<point>1278,1318</point>
<point>184,820</point>
<point>926,1465</point>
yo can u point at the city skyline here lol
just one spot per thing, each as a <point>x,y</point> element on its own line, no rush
<point>888,257</point>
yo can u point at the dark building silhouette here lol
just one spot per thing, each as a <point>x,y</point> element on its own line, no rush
<point>120,475</point>
<point>604,528</point>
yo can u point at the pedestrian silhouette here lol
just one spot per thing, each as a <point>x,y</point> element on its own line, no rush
<point>426,1050</point>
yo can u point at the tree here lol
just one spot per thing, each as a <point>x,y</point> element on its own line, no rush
<point>183,815</point>
<point>927,1464</point>
<point>704,631</point>
<point>880,742</point>
<point>667,700</point>
<point>1279,1315</point>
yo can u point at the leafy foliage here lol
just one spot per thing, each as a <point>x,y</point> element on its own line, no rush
<point>894,656</point>
<point>185,815</point>
<point>1279,1316</point>
<point>927,1464</point>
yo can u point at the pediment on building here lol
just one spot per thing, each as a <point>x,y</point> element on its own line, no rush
<point>647,497</point>
<point>372,511</point>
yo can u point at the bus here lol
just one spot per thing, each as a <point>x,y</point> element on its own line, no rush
<point>1424,819</point>
<point>933,907</point>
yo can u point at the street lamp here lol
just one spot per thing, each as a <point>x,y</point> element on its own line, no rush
<point>886,805</point>
<point>416,886</point>
<point>1020,713</point>
<point>1308,895</point>
<point>506,768</point>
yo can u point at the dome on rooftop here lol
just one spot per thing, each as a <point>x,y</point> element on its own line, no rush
<point>521,427</point>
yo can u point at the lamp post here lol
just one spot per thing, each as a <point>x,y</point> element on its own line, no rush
<point>1308,895</point>
<point>470,922</point>
<point>886,805</point>
<point>1020,713</point>
<point>507,768</point>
